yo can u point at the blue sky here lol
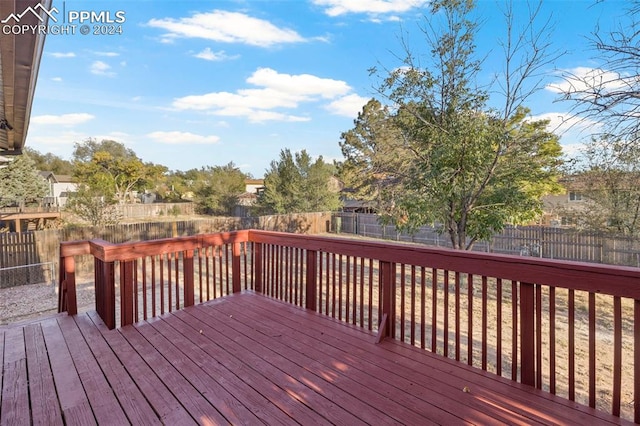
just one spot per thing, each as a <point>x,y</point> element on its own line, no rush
<point>195,83</point>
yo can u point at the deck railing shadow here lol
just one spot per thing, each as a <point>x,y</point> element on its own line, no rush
<point>568,328</point>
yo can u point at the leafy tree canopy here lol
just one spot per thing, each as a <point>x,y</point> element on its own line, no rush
<point>20,182</point>
<point>440,154</point>
<point>216,189</point>
<point>295,183</point>
<point>50,162</point>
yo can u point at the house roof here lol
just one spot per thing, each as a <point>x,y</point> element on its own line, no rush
<point>20,56</point>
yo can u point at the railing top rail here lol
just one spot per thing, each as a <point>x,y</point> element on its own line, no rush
<point>110,252</point>
<point>606,279</point>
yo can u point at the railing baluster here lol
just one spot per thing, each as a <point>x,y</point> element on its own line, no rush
<point>126,292</point>
<point>485,323</point>
<point>572,347</point>
<point>617,355</point>
<point>237,284</point>
<point>470,319</point>
<point>514,331</point>
<point>636,361</point>
<point>445,312</point>
<point>310,279</point>
<point>592,350</point>
<point>552,340</point>
<point>188,272</point>
<point>499,327</point>
<point>538,330</point>
<point>457,314</point>
<point>434,310</point>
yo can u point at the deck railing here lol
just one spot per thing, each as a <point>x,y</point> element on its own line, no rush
<point>572,329</point>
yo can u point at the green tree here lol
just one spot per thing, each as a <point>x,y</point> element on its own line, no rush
<point>608,181</point>
<point>88,204</point>
<point>295,183</point>
<point>50,162</point>
<point>442,155</point>
<point>20,182</point>
<point>111,170</point>
<point>216,189</point>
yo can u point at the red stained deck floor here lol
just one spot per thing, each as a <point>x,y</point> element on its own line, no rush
<point>248,359</point>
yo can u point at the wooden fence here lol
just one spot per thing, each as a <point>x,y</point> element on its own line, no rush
<point>31,257</point>
<point>535,241</point>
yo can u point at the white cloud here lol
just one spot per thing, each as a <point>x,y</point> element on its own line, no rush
<point>369,7</point>
<point>108,54</point>
<point>209,55</point>
<point>348,106</point>
<point>62,54</point>
<point>182,138</point>
<point>580,79</point>
<point>56,79</point>
<point>275,90</point>
<point>563,122</point>
<point>66,120</point>
<point>226,27</point>
<point>101,68</point>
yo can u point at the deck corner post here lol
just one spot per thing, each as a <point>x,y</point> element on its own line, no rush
<point>126,292</point>
<point>104,275</point>
<point>189,298</point>
<point>257,266</point>
<point>527,334</point>
<point>311,280</point>
<point>236,282</point>
<point>387,304</point>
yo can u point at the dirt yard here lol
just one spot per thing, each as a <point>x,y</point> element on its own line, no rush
<point>28,302</point>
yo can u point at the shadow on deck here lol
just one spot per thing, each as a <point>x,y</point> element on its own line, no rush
<point>247,359</point>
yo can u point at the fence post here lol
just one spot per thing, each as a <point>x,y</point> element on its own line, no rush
<point>387,321</point>
<point>126,292</point>
<point>189,298</point>
<point>311,280</point>
<point>235,268</point>
<point>258,266</point>
<point>527,334</point>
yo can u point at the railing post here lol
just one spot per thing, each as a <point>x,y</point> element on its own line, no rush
<point>67,287</point>
<point>311,280</point>
<point>236,282</point>
<point>105,292</point>
<point>189,298</point>
<point>387,320</point>
<point>126,292</point>
<point>527,334</point>
<point>257,266</point>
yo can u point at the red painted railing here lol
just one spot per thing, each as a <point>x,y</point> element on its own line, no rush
<point>572,329</point>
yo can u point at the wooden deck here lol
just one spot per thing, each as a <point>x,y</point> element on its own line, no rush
<point>249,359</point>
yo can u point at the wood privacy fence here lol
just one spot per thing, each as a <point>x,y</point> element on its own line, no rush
<point>32,257</point>
<point>535,241</point>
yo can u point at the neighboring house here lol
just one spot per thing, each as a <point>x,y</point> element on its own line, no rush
<point>560,209</point>
<point>60,187</point>
<point>253,186</point>
<point>248,198</point>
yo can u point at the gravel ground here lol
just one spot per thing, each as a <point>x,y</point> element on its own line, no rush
<point>32,301</point>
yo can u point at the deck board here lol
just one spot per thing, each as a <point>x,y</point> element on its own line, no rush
<point>15,392</point>
<point>134,404</point>
<point>74,402</point>
<point>164,403</point>
<point>418,406</point>
<point>44,402</point>
<point>248,359</point>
